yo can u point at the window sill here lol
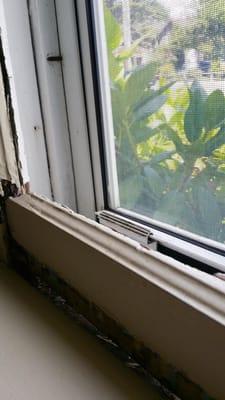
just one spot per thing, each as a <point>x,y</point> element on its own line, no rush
<point>201,291</point>
<point>167,305</point>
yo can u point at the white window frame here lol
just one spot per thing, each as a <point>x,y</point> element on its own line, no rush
<point>183,242</point>
<point>44,35</point>
<point>53,135</point>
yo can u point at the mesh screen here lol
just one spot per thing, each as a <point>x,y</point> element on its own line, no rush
<point>167,71</point>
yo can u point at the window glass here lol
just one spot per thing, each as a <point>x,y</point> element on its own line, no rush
<point>166,69</point>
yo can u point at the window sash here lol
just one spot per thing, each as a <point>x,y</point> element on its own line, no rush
<point>201,247</point>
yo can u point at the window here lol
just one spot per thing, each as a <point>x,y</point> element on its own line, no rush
<point>162,83</point>
<point>124,115</point>
<point>57,97</point>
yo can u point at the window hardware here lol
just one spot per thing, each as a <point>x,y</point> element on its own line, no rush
<point>135,231</point>
<point>57,58</point>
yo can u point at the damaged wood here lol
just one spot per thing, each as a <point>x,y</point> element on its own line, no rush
<point>10,166</point>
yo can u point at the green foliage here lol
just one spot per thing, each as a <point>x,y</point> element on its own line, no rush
<point>214,110</point>
<point>114,34</point>
<point>133,99</point>
<point>194,116</point>
<point>204,32</point>
<point>192,198</point>
<point>144,15</point>
<point>170,145</point>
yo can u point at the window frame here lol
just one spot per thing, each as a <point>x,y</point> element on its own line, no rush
<point>191,246</point>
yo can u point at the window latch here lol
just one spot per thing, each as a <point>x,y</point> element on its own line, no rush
<point>54,58</point>
<point>129,228</point>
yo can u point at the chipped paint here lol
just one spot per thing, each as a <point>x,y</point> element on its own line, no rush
<point>9,159</point>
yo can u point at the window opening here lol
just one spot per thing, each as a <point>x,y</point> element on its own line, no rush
<point>162,82</point>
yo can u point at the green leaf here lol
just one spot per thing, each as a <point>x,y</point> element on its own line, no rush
<point>126,53</point>
<point>130,190</point>
<point>214,143</point>
<point>141,132</point>
<point>194,116</point>
<point>115,67</point>
<point>173,136</point>
<point>173,210</point>
<point>214,110</point>
<point>150,95</point>
<point>209,217</point>
<point>150,107</point>
<point>165,155</point>
<point>138,82</point>
<point>114,38</point>
<point>113,30</point>
<point>118,108</point>
<point>153,179</point>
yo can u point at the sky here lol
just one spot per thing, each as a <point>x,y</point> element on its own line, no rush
<point>180,9</point>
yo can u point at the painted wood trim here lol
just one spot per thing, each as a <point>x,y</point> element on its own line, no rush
<point>198,289</point>
<point>173,309</point>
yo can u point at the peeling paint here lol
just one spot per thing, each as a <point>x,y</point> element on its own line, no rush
<point>9,158</point>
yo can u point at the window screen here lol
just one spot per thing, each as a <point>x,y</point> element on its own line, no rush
<point>166,79</point>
